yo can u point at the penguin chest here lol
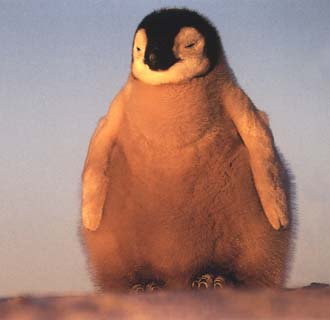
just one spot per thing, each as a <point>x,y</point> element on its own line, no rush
<point>164,200</point>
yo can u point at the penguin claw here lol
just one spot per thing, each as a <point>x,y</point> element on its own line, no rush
<point>137,288</point>
<point>152,286</point>
<point>219,282</point>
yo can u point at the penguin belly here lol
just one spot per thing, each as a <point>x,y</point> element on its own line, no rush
<point>172,214</point>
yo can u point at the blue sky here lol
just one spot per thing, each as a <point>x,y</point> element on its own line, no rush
<point>61,62</point>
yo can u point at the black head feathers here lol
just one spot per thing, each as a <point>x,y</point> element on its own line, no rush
<point>164,24</point>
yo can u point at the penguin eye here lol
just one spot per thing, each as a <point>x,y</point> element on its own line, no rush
<point>138,49</point>
<point>190,45</point>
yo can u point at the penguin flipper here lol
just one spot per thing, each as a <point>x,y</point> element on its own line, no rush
<point>267,169</point>
<point>94,179</point>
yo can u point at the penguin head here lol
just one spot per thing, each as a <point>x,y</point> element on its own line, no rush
<point>174,46</point>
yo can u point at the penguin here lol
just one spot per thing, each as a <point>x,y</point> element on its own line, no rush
<point>183,186</point>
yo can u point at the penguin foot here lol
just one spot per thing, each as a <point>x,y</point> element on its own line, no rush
<point>148,287</point>
<point>208,281</point>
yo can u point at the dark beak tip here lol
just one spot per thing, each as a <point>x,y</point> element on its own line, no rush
<point>158,62</point>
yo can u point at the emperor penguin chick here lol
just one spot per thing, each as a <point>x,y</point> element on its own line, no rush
<point>183,186</point>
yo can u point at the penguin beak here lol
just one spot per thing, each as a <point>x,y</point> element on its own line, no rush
<point>158,59</point>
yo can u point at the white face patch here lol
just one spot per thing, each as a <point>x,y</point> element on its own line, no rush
<point>188,46</point>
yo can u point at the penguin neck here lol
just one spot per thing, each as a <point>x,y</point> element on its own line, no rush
<point>180,113</point>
